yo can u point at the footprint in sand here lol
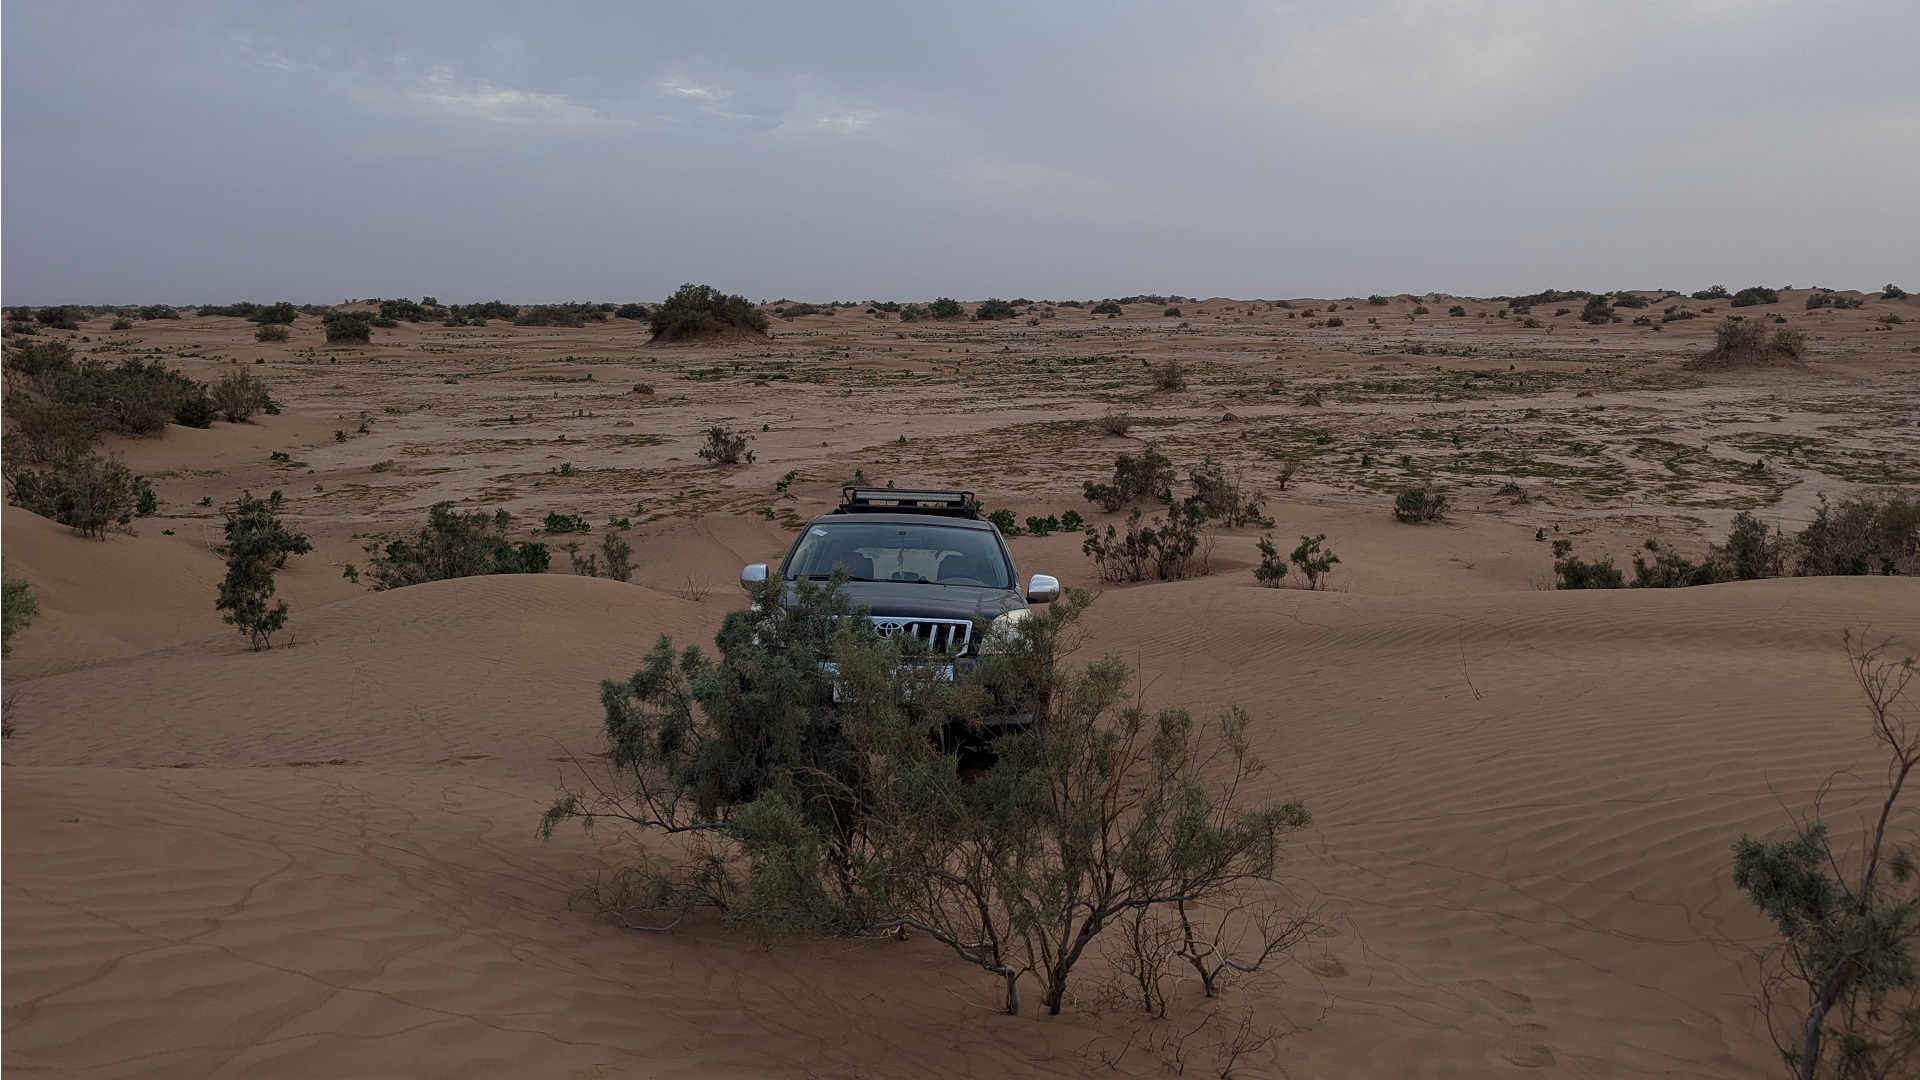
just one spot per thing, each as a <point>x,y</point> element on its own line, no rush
<point>1504,1000</point>
<point>1524,1045</point>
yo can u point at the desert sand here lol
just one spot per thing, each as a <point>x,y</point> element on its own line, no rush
<point>320,860</point>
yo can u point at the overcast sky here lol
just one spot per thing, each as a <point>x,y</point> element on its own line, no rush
<point>220,151</point>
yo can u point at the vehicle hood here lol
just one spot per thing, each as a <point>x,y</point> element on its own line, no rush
<point>928,601</point>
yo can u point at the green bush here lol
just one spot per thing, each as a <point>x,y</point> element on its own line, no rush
<point>565,523</point>
<point>808,798</point>
<point>120,324</point>
<point>1457,311</point>
<point>1597,311</point>
<point>1716,292</point>
<point>1573,572</point>
<point>453,544</point>
<point>1108,307</point>
<point>1168,548</point>
<point>347,327</point>
<point>1756,295</point>
<point>58,318</point>
<point>569,315</point>
<point>158,311</point>
<point>1314,560</point>
<point>994,310</point>
<point>403,308</point>
<point>701,311</point>
<point>1861,534</point>
<point>18,609</point>
<point>634,312</point>
<point>269,333</point>
<point>59,406</point>
<point>1750,551</point>
<point>478,314</point>
<point>1420,504</point>
<point>280,314</point>
<point>1272,569</point>
<point>1668,570</point>
<point>1148,476</point>
<point>86,493</point>
<point>1893,292</point>
<point>1629,300</point>
<point>257,544</point>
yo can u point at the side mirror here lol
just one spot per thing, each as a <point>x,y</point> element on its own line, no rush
<point>753,574</point>
<point>1043,589</point>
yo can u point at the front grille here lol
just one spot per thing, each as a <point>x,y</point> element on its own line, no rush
<point>953,636</point>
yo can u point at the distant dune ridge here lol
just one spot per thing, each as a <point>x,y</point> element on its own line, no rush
<point>320,859</point>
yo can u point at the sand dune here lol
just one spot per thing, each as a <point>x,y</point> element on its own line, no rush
<point>1524,804</point>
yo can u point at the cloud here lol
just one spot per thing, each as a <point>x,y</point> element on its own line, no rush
<point>442,91</point>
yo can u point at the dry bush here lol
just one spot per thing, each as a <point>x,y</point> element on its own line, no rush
<point>1169,377</point>
<point>1420,504</point>
<point>1169,548</point>
<point>272,333</point>
<point>1115,424</point>
<point>1739,342</point>
<point>725,447</point>
<point>238,395</point>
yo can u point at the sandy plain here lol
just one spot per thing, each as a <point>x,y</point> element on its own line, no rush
<point>320,860</point>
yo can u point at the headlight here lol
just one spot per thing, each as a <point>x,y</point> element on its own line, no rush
<point>1003,630</point>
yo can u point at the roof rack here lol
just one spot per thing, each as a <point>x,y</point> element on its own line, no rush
<point>866,500</point>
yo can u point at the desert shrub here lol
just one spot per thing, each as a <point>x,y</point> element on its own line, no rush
<point>1272,569</point>
<point>478,314</point>
<point>1457,311</point>
<point>1597,311</point>
<point>1754,296</point>
<point>558,522</point>
<point>1169,377</point>
<point>1833,300</point>
<point>272,332</point>
<point>404,309</point>
<point>1861,534</point>
<point>59,405</point>
<point>1004,520</point>
<point>567,315</point>
<point>279,314</point>
<point>991,310</point>
<point>945,307</point>
<point>120,324</point>
<point>1420,504</point>
<point>1377,300</point>
<point>58,318</point>
<point>1116,424</point>
<point>1171,313</point>
<point>912,312</point>
<point>86,493</point>
<point>257,544</point>
<point>1629,300</point>
<point>18,608</point>
<point>702,310</point>
<point>1742,341</point>
<point>1314,560</point>
<point>1169,548</point>
<point>1841,991</point>
<point>1670,570</point>
<point>617,556</point>
<point>158,311</point>
<point>1042,526</point>
<point>1750,551</point>
<point>634,312</point>
<point>725,447</point>
<point>1572,572</point>
<point>1893,292</point>
<point>1108,307</point>
<point>1715,292</point>
<point>347,327</point>
<point>807,796</point>
<point>1222,495</point>
<point>238,395</point>
<point>453,544</point>
<point>1149,476</point>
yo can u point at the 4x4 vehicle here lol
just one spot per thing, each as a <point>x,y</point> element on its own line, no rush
<point>923,562</point>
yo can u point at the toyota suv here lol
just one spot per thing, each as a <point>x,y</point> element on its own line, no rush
<point>924,563</point>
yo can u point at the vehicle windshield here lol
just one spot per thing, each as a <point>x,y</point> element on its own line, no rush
<point>876,551</point>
